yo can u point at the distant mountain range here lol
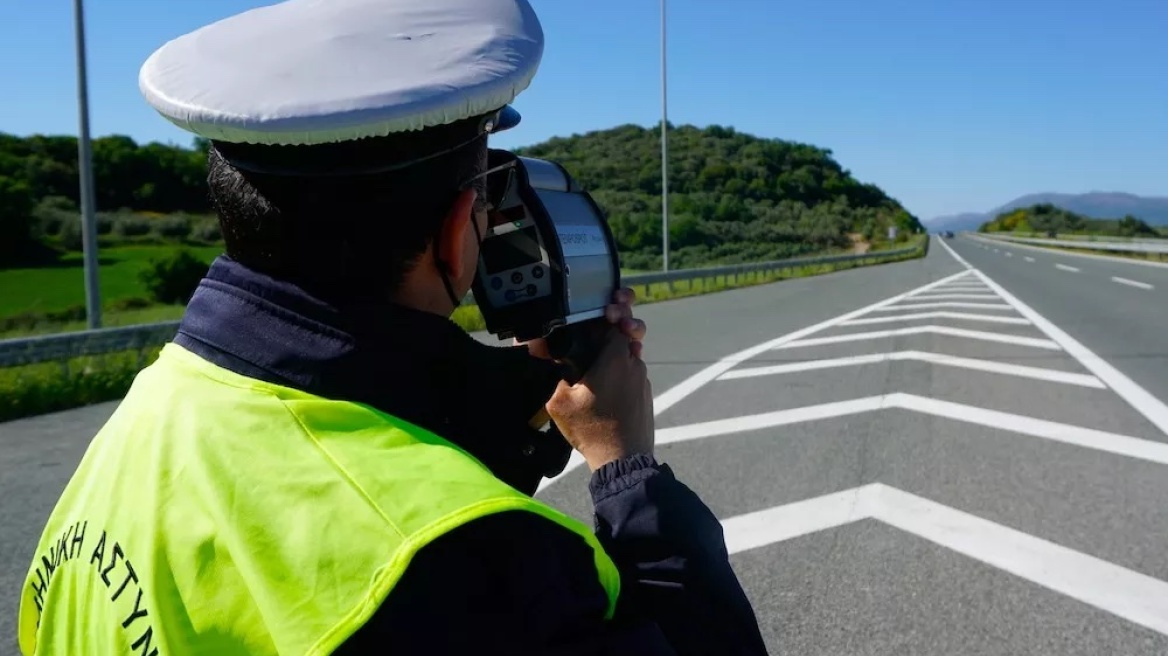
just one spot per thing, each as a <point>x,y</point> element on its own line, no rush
<point>1096,205</point>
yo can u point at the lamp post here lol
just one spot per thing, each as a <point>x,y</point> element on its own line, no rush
<point>664,155</point>
<point>85,169</point>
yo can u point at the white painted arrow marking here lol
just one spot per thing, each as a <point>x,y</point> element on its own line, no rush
<point>690,385</point>
<point>962,288</point>
<point>1018,321</point>
<point>1089,438</point>
<point>1139,398</point>
<point>946,304</point>
<point>1128,594</point>
<point>920,330</point>
<point>990,366</point>
<point>954,297</point>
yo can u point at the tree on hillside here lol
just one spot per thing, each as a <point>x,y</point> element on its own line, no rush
<point>16,225</point>
<point>733,197</point>
<point>1050,219</point>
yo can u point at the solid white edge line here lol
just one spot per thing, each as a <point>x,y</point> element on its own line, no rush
<point>675,394</point>
<point>1137,397</point>
<point>1124,593</point>
<point>1017,321</point>
<point>988,366</point>
<point>1131,283</point>
<point>1001,338</point>
<point>1066,268</point>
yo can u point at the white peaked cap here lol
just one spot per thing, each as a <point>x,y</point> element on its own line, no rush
<point>305,72</point>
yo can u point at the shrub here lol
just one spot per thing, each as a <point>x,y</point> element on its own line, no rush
<point>207,231</point>
<point>52,212</point>
<point>176,226</point>
<point>131,226</point>
<point>70,235</point>
<point>172,279</point>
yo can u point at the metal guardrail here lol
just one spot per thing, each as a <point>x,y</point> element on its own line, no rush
<point>62,346</point>
<point>1127,247</point>
<point>1091,238</point>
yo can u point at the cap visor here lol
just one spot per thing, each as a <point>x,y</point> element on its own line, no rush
<point>508,118</point>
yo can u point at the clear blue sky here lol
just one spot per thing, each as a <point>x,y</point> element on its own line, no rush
<point>949,105</point>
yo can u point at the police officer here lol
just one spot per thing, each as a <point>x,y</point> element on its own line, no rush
<point>321,462</point>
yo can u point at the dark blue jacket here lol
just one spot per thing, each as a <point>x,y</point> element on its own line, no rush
<point>512,583</point>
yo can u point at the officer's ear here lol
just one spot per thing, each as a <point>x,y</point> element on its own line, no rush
<point>456,240</point>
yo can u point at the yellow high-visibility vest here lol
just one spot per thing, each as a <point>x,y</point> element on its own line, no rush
<point>218,514</point>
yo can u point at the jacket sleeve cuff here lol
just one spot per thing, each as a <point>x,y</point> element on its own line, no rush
<point>619,475</point>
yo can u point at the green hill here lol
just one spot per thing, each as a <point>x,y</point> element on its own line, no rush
<point>733,197</point>
<point>1048,218</point>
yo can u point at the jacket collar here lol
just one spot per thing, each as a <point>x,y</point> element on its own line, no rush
<point>414,365</point>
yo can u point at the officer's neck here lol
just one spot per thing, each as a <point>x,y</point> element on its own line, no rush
<point>424,291</point>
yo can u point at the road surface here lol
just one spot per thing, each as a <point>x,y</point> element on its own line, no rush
<point>966,454</point>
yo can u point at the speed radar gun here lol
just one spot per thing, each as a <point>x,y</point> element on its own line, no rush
<point>548,265</point>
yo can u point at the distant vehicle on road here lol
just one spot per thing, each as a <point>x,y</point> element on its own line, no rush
<point>947,234</point>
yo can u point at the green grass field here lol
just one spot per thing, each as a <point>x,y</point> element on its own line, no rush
<point>52,386</point>
<point>51,289</point>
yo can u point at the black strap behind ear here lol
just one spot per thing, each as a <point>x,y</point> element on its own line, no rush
<point>444,271</point>
<point>444,268</point>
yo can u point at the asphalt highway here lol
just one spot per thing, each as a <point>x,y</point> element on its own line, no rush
<point>965,454</point>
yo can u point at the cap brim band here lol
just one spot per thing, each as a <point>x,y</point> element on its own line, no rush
<point>370,156</point>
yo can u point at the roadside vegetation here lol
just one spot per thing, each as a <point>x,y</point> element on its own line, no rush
<point>52,386</point>
<point>1050,222</point>
<point>734,198</point>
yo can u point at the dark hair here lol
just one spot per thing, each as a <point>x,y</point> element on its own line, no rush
<point>351,235</point>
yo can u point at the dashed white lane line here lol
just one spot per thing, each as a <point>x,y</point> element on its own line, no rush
<point>1132,283</point>
<point>1088,438</point>
<point>1066,268</point>
<point>923,330</point>
<point>1135,597</point>
<point>1009,254</point>
<point>1137,397</point>
<point>990,366</point>
<point>946,304</point>
<point>1029,259</point>
<point>965,316</point>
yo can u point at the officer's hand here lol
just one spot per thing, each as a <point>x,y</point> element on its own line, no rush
<point>608,414</point>
<point>619,313</point>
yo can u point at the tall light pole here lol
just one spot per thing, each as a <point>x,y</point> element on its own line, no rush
<point>85,169</point>
<point>664,155</point>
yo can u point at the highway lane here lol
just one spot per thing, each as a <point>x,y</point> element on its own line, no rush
<point>38,455</point>
<point>904,460</point>
<point>1125,324</point>
<point>898,481</point>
